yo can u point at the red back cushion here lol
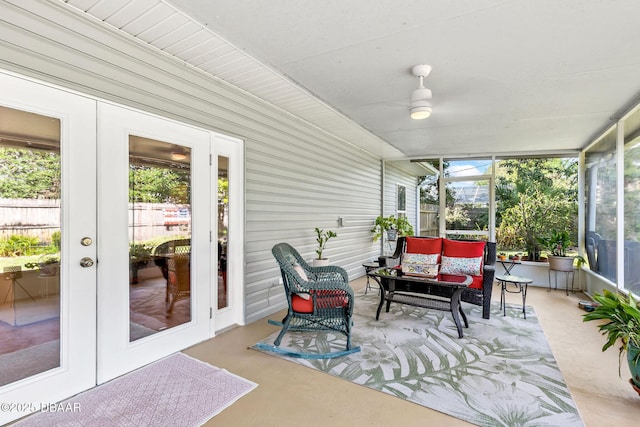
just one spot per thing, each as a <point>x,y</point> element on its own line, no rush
<point>456,248</point>
<point>421,245</point>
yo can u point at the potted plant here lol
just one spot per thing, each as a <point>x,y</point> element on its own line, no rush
<point>392,227</point>
<point>622,314</point>
<point>47,264</point>
<point>139,257</point>
<point>556,244</point>
<point>322,239</point>
<point>382,225</point>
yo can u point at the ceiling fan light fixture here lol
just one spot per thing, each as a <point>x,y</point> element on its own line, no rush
<point>420,111</point>
<point>178,155</point>
<point>420,107</point>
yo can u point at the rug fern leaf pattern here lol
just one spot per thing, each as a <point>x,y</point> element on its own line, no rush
<point>502,373</point>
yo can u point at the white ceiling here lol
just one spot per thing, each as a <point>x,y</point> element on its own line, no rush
<point>508,76</point>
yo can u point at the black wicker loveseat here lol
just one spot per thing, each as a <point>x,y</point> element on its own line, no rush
<point>479,292</point>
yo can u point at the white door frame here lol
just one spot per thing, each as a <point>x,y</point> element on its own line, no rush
<point>233,149</point>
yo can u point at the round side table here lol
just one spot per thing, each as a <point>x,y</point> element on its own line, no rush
<point>519,287</point>
<point>369,266</point>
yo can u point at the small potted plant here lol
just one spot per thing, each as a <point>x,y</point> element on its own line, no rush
<point>622,314</point>
<point>502,256</point>
<point>391,227</point>
<point>48,265</point>
<point>139,257</point>
<point>322,239</point>
<point>556,244</point>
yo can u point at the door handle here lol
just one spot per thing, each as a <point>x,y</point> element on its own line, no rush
<point>86,262</point>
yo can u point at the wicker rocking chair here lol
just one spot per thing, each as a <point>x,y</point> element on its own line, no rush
<point>319,298</point>
<point>179,279</point>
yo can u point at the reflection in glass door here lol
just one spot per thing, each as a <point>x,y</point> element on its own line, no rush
<point>223,230</point>
<point>29,244</point>
<point>159,236</point>
<point>228,224</point>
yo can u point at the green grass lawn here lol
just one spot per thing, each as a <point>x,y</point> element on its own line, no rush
<point>19,260</point>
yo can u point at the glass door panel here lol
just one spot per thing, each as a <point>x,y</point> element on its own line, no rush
<point>159,214</point>
<point>467,208</point>
<point>29,244</point>
<point>227,219</point>
<point>223,229</point>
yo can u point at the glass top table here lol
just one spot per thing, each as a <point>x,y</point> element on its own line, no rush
<point>441,292</point>
<point>519,286</point>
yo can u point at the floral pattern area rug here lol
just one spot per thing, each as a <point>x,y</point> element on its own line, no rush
<point>502,373</point>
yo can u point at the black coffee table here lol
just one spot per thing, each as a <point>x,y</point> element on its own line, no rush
<point>439,293</point>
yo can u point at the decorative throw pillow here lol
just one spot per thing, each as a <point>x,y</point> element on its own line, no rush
<point>303,275</point>
<point>419,258</point>
<point>420,264</point>
<point>456,265</point>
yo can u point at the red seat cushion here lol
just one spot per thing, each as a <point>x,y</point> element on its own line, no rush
<point>476,282</point>
<point>324,299</point>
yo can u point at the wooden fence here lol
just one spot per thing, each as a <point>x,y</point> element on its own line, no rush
<point>29,217</point>
<point>429,220</point>
<point>41,218</point>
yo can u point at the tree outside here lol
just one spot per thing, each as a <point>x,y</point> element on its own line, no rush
<point>535,196</point>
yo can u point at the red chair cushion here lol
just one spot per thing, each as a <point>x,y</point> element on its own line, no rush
<point>172,278</point>
<point>417,245</point>
<point>324,299</point>
<point>456,248</point>
<point>476,282</point>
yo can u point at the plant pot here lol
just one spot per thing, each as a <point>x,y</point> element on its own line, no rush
<point>48,270</point>
<point>560,263</point>
<point>634,364</point>
<point>392,235</point>
<point>320,262</point>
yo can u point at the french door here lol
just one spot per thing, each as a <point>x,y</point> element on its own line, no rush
<point>153,198</point>
<point>137,209</point>
<point>51,133</point>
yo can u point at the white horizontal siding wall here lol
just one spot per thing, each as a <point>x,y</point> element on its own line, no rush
<point>394,176</point>
<point>293,187</point>
<point>297,176</point>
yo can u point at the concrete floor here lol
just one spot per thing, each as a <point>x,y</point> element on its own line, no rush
<point>289,394</point>
<point>292,395</point>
